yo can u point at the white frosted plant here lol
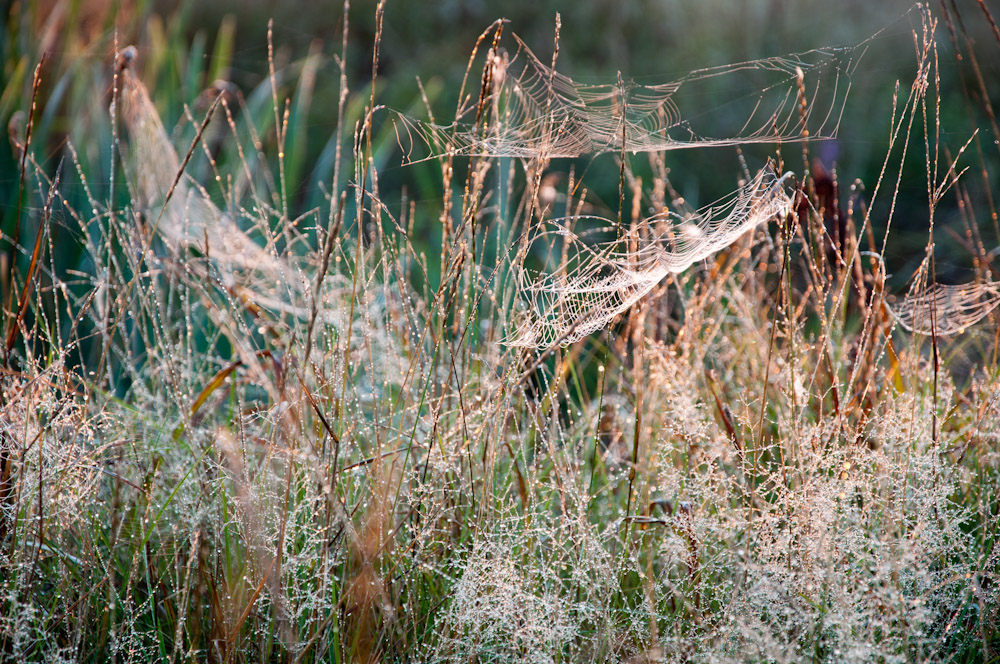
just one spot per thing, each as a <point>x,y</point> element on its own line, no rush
<point>528,591</point>
<point>851,550</point>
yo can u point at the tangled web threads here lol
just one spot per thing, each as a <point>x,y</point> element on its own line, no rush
<point>529,110</point>
<point>946,310</point>
<point>596,283</point>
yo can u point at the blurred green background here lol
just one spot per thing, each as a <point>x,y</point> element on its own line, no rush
<point>186,46</point>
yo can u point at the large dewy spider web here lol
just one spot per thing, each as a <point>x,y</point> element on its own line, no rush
<point>946,310</point>
<point>595,284</point>
<point>533,111</point>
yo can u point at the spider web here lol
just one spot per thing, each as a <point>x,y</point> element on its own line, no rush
<point>533,111</point>
<point>189,218</point>
<point>596,283</point>
<point>946,310</point>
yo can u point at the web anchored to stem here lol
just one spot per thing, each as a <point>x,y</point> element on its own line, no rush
<point>946,310</point>
<point>596,283</point>
<point>533,111</point>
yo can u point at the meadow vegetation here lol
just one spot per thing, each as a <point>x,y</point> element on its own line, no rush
<point>424,396</point>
